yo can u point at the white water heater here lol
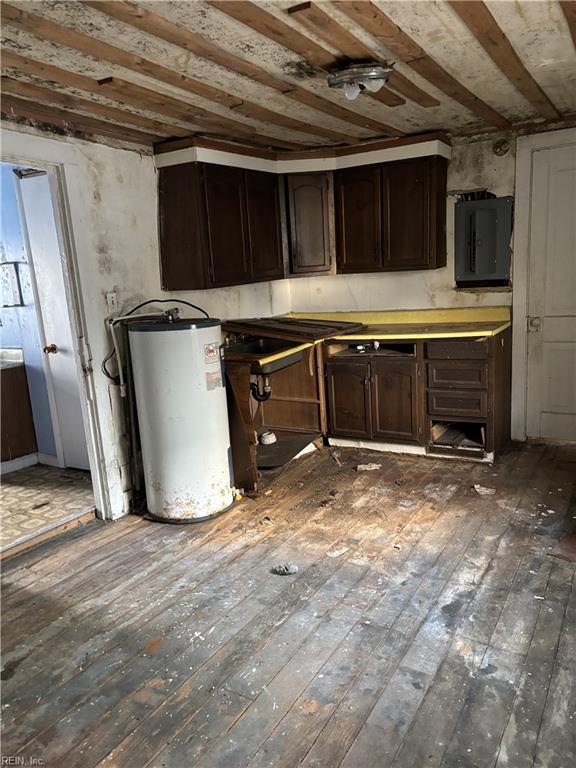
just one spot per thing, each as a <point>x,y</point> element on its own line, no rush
<point>182,416</point>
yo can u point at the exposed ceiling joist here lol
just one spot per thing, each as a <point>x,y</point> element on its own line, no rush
<point>314,18</point>
<point>484,27</point>
<point>145,98</point>
<point>69,101</point>
<point>153,24</point>
<point>69,37</point>
<point>283,34</point>
<point>569,9</point>
<point>12,106</point>
<point>374,21</point>
<point>142,98</point>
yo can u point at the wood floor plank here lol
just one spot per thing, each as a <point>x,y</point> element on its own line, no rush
<point>427,626</point>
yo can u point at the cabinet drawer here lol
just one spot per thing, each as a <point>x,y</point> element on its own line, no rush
<point>457,350</point>
<point>454,403</point>
<point>457,374</point>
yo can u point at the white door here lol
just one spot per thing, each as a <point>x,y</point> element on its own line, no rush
<point>46,259</point>
<point>551,394</point>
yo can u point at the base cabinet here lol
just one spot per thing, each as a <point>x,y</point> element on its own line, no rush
<point>394,400</point>
<point>461,407</point>
<point>373,399</point>
<point>350,411</point>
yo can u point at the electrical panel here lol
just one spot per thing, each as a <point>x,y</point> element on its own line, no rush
<point>483,231</point>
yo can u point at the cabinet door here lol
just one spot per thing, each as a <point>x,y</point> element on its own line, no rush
<point>264,231</point>
<point>414,213</point>
<point>348,393</point>
<point>358,217</point>
<point>394,399</point>
<point>308,198</point>
<point>182,219</point>
<point>227,236</point>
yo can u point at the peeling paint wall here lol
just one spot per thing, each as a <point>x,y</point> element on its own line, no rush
<point>113,214</point>
<point>473,166</point>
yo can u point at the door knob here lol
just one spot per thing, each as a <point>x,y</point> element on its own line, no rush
<point>534,323</point>
<point>51,349</point>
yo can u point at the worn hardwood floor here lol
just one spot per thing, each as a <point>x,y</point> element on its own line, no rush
<point>427,626</point>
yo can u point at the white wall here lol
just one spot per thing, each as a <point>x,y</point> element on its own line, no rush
<point>111,197</point>
<point>473,166</point>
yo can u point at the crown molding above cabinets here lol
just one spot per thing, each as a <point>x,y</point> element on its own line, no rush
<point>311,161</point>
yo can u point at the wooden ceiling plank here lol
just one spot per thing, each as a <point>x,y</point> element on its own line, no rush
<point>407,88</point>
<point>569,10</point>
<point>315,19</point>
<point>147,21</point>
<point>310,99</point>
<point>13,106</point>
<point>70,101</point>
<point>485,28</point>
<point>268,25</point>
<point>136,96</point>
<point>145,98</point>
<point>380,26</point>
<point>69,37</point>
<point>257,112</point>
<point>61,35</point>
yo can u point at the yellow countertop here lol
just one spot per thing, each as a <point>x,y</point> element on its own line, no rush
<point>431,331</point>
<point>470,322</point>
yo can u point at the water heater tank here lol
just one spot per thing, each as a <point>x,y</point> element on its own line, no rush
<point>182,417</point>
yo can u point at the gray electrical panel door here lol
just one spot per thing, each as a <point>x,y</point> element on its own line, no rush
<point>483,229</point>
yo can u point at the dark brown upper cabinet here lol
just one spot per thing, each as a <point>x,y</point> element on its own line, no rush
<point>219,226</point>
<point>358,219</point>
<point>309,212</point>
<point>414,225</point>
<point>264,231</point>
<point>182,223</point>
<point>392,216</point>
<point>228,247</point>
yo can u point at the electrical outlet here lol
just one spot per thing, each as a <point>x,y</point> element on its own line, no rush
<point>112,302</point>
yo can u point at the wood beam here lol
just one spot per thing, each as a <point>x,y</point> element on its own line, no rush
<point>61,35</point>
<point>314,18</point>
<point>401,45</point>
<point>484,27</point>
<point>283,34</point>
<point>140,98</point>
<point>144,98</point>
<point>569,10</point>
<point>75,103</point>
<point>12,106</point>
<point>275,29</point>
<point>147,21</point>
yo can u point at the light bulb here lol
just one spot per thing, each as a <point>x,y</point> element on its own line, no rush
<point>373,84</point>
<point>351,91</point>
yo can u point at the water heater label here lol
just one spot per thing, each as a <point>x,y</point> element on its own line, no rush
<point>213,380</point>
<point>211,353</point>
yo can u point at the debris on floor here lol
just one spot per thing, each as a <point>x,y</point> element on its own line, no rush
<point>368,467</point>
<point>284,569</point>
<point>482,490</point>
<point>566,548</point>
<point>336,456</point>
<point>337,552</point>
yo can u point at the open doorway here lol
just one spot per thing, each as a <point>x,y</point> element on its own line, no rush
<point>46,483</point>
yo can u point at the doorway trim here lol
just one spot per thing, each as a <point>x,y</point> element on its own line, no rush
<point>82,354</point>
<point>525,148</point>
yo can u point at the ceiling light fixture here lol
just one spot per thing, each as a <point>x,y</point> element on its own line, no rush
<point>357,78</point>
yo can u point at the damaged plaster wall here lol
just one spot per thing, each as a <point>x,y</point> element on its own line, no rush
<point>473,166</point>
<point>112,202</point>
